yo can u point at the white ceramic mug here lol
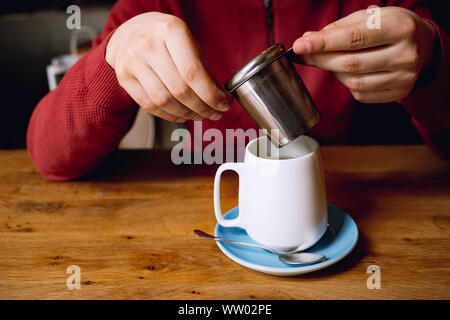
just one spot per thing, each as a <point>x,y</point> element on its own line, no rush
<point>282,202</point>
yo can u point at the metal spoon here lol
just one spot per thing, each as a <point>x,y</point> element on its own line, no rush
<point>297,258</point>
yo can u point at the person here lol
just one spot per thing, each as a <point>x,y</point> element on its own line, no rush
<point>169,57</point>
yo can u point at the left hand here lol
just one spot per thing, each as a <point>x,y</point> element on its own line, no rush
<point>377,65</point>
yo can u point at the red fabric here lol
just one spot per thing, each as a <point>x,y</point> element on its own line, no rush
<point>84,118</point>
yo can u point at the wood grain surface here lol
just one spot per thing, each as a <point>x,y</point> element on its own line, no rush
<point>128,226</point>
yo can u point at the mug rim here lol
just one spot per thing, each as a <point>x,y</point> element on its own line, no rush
<point>309,154</point>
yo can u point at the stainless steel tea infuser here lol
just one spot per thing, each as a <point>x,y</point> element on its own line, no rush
<point>273,94</point>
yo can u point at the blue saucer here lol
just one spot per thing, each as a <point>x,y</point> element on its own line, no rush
<point>337,242</point>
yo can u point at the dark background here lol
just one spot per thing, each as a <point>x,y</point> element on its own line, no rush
<point>21,6</point>
<point>31,34</point>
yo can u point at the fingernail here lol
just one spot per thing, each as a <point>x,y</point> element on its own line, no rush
<point>303,46</point>
<point>197,117</point>
<point>216,116</point>
<point>307,33</point>
<point>224,105</point>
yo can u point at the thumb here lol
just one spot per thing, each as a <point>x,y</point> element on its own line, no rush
<point>302,45</point>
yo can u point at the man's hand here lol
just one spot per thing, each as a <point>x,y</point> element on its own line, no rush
<point>377,65</point>
<point>158,63</point>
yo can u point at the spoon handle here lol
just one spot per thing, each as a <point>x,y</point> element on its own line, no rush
<point>205,235</point>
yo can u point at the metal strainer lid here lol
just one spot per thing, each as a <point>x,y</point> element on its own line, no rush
<point>254,66</point>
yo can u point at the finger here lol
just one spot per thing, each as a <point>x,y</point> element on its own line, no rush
<point>354,17</point>
<point>359,16</point>
<point>374,81</point>
<point>381,96</point>
<point>350,19</point>
<point>356,62</point>
<point>162,64</point>
<point>186,58</point>
<point>138,94</point>
<point>347,37</point>
<point>159,94</point>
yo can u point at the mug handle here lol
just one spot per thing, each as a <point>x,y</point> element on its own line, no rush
<point>233,166</point>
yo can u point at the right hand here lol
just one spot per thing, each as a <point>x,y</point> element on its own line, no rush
<point>158,63</point>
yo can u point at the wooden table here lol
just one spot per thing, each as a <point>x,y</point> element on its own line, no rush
<point>129,228</point>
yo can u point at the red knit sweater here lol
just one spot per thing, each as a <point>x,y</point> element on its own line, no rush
<point>76,125</point>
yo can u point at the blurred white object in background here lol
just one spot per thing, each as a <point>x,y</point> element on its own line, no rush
<point>58,67</point>
<point>142,133</point>
<point>60,64</point>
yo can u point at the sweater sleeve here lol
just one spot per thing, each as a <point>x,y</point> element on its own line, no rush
<point>75,125</point>
<point>429,102</point>
<point>429,106</point>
